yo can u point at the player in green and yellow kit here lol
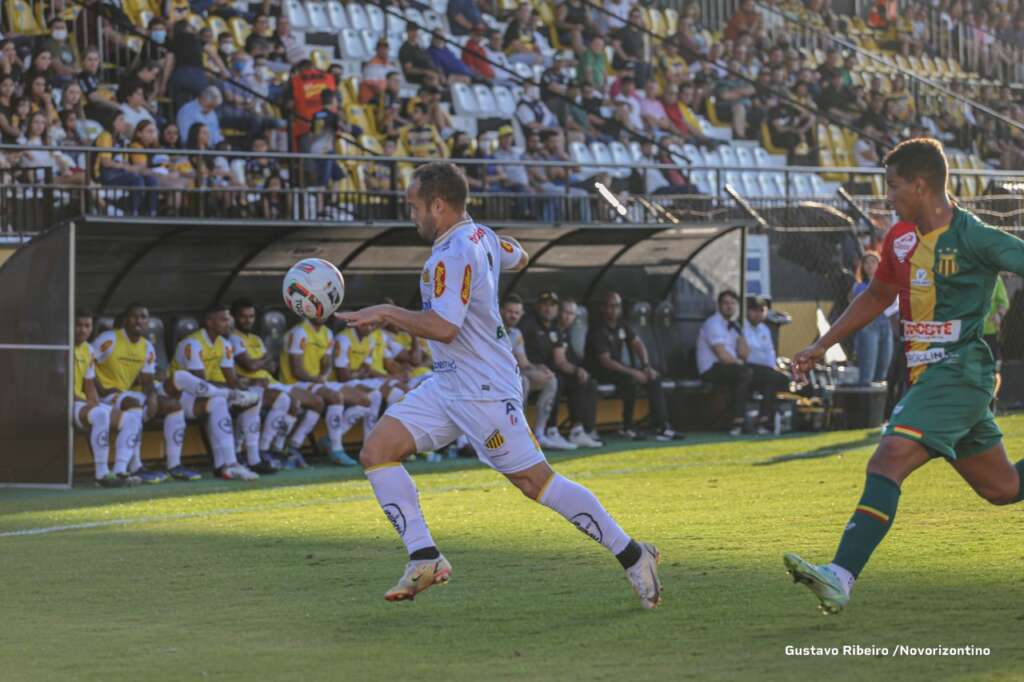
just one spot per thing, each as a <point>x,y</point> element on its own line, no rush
<point>942,262</point>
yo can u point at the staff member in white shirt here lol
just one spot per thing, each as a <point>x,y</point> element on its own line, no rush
<point>722,353</point>
<point>766,378</point>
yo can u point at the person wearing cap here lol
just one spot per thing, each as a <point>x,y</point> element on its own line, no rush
<point>616,355</point>
<point>767,380</point>
<point>474,54</point>
<point>722,353</point>
<point>375,73</point>
<point>516,177</point>
<point>532,113</point>
<point>540,338</point>
<point>554,82</point>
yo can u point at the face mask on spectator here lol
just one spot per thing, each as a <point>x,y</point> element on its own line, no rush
<point>158,37</point>
<point>227,48</point>
<point>59,35</point>
<point>244,67</point>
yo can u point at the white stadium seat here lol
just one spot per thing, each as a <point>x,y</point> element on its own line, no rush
<point>523,71</point>
<point>694,154</point>
<point>436,22</point>
<point>357,17</point>
<point>376,16</point>
<point>635,151</point>
<point>351,44</point>
<point>620,154</point>
<point>603,155</point>
<point>395,22</point>
<point>414,16</point>
<point>765,160</point>
<point>728,156</point>
<point>464,101</point>
<point>744,157</point>
<point>318,19</point>
<point>369,39</point>
<point>751,185</point>
<point>296,14</point>
<point>678,155</point>
<point>488,106</point>
<point>580,153</point>
<point>800,186</point>
<point>712,158</point>
<point>504,100</point>
<point>336,15</point>
<point>774,185</point>
<point>818,187</point>
<point>702,180</point>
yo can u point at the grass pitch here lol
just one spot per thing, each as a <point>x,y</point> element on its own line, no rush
<point>284,579</point>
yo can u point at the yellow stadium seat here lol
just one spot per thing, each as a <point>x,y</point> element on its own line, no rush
<point>837,139</point>
<point>240,30</point>
<point>824,139</point>
<point>712,114</point>
<point>968,186</point>
<point>145,16</point>
<point>20,19</point>
<point>218,26</point>
<point>671,20</point>
<point>349,89</point>
<point>656,22</point>
<point>766,141</point>
<point>878,185</point>
<point>371,144</point>
<point>974,161</point>
<point>405,171</point>
<point>196,21</point>
<point>358,115</point>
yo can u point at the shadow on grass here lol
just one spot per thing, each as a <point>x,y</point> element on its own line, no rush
<point>551,604</point>
<point>870,438</point>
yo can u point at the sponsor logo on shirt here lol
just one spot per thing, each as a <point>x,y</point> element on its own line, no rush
<point>443,366</point>
<point>439,272</point>
<point>932,332</point>
<point>506,246</point>
<point>495,440</point>
<point>105,346</point>
<point>921,278</point>
<point>903,245</point>
<point>467,283</point>
<point>925,357</point>
<point>476,235</point>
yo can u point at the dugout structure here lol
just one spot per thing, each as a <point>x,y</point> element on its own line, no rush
<point>180,266</point>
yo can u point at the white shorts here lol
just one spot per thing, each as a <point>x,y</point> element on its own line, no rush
<point>496,429</point>
<point>76,416</point>
<point>186,400</point>
<point>115,399</point>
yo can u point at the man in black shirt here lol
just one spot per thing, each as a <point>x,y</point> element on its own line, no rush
<point>612,350</point>
<point>415,61</point>
<point>575,382</point>
<point>540,336</point>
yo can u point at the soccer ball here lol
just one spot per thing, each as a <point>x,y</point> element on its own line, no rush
<point>313,288</point>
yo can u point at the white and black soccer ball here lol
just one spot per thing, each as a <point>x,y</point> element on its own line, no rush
<point>313,289</point>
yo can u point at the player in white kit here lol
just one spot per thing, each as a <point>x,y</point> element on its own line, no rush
<point>475,391</point>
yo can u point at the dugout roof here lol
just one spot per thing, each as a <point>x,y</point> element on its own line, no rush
<point>179,266</point>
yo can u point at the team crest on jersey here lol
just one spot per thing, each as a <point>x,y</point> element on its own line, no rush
<point>438,279</point>
<point>921,278</point>
<point>105,346</point>
<point>947,266</point>
<point>188,351</point>
<point>467,283</point>
<point>495,440</point>
<point>903,245</point>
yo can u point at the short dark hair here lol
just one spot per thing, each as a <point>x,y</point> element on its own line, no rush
<point>442,180</point>
<point>512,298</point>
<point>728,292</point>
<point>134,305</point>
<point>82,312</point>
<point>241,304</point>
<point>921,157</point>
<point>215,308</point>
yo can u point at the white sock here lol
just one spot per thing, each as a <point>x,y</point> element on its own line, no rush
<point>249,421</point>
<point>583,510</point>
<point>334,417</point>
<point>845,577</point>
<point>370,420</point>
<point>129,435</point>
<point>272,425</point>
<point>221,432</point>
<point>174,437</point>
<point>397,496</point>
<point>99,438</point>
<point>287,424</point>
<point>190,383</point>
<point>301,432</point>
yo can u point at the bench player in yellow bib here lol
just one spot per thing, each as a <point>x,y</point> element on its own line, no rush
<point>942,262</point>
<point>99,420</point>
<point>207,356</point>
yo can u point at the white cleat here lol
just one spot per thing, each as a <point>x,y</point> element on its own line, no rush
<point>643,575</point>
<point>553,440</point>
<point>238,472</point>
<point>582,439</point>
<point>418,576</point>
<point>242,397</point>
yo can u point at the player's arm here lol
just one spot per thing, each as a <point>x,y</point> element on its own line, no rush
<point>871,303</point>
<point>296,353</point>
<point>148,386</point>
<point>423,323</point>
<point>342,372</point>
<point>513,255</point>
<point>243,360</point>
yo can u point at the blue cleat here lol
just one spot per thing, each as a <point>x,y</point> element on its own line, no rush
<point>180,473</point>
<point>341,458</point>
<point>148,477</point>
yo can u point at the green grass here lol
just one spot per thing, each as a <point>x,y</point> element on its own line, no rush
<point>283,579</point>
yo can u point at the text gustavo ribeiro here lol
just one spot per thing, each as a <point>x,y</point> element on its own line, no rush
<point>898,650</point>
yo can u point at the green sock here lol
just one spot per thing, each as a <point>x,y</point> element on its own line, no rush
<point>1019,466</point>
<point>869,523</point>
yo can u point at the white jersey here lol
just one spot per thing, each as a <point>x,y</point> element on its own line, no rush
<point>460,283</point>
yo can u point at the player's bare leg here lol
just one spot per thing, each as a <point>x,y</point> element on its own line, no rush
<point>582,509</point>
<point>992,476</point>
<point>383,451</point>
<point>894,460</point>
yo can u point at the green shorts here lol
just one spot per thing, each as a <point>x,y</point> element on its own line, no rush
<point>947,411</point>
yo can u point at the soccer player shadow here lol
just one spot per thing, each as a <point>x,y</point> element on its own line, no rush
<point>869,438</point>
